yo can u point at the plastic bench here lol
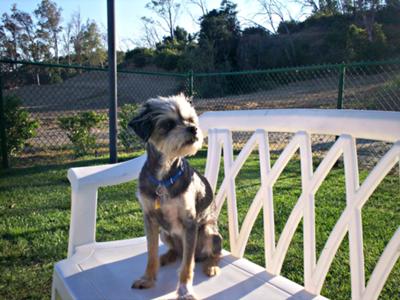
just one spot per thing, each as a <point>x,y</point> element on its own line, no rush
<point>105,270</point>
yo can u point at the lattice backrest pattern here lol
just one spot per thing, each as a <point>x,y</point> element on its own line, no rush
<point>315,270</point>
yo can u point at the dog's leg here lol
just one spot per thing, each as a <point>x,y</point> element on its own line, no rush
<point>149,277</point>
<point>172,254</point>
<point>209,245</point>
<point>168,258</point>
<point>210,265</point>
<point>185,289</point>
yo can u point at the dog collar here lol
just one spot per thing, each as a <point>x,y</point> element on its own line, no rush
<point>170,181</point>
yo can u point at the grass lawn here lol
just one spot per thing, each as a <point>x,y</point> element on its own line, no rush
<point>35,212</point>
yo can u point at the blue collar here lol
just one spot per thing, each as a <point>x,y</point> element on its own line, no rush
<point>170,181</point>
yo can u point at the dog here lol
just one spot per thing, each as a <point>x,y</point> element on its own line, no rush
<point>177,201</point>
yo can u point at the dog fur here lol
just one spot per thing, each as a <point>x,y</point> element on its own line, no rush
<point>183,212</point>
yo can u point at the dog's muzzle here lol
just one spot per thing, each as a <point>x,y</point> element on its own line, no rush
<point>192,130</point>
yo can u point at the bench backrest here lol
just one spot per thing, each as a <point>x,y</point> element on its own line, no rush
<point>348,125</point>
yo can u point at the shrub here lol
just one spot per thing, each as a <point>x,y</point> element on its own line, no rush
<point>20,127</point>
<point>360,48</point>
<point>140,56</point>
<point>167,59</point>
<point>79,130</point>
<point>126,135</point>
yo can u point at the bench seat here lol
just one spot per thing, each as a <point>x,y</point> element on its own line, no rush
<point>107,270</point>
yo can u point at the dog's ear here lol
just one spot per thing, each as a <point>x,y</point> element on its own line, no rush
<point>142,124</point>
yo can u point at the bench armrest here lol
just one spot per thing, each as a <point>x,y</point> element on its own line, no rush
<point>85,182</point>
<point>106,175</point>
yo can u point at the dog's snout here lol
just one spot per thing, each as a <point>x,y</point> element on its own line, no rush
<point>192,129</point>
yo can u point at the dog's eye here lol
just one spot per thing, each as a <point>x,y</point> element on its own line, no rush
<point>190,120</point>
<point>169,125</point>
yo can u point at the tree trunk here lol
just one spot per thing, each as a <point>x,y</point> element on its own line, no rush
<point>369,20</point>
<point>368,17</point>
<point>37,79</point>
<point>171,26</point>
<point>56,47</point>
<point>292,53</point>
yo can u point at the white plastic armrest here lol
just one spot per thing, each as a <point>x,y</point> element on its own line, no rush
<point>106,175</point>
<point>84,184</point>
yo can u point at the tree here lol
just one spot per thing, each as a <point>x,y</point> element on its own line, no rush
<point>77,35</point>
<point>21,38</point>
<point>167,12</point>
<point>273,10</point>
<point>67,39</point>
<point>252,48</point>
<point>367,9</point>
<point>202,4</point>
<point>326,7</point>
<point>199,4</point>
<point>359,47</point>
<point>49,24</point>
<point>219,35</point>
<point>27,37</point>
<point>92,44</point>
<point>9,36</point>
<point>150,35</point>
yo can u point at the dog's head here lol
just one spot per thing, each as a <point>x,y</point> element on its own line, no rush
<point>170,124</point>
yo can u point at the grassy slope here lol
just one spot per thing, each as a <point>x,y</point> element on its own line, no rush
<point>35,211</point>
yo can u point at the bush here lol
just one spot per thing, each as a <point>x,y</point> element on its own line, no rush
<point>140,56</point>
<point>20,127</point>
<point>360,48</point>
<point>79,130</point>
<point>168,59</point>
<point>126,135</point>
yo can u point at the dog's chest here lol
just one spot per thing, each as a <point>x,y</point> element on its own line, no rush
<point>172,212</point>
<point>169,213</point>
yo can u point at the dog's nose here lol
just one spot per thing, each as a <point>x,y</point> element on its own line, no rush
<point>192,130</point>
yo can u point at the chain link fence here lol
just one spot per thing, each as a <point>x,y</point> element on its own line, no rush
<point>62,102</point>
<point>63,98</point>
<point>368,85</point>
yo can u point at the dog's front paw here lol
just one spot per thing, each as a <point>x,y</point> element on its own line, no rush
<point>185,292</point>
<point>143,283</point>
<point>211,270</point>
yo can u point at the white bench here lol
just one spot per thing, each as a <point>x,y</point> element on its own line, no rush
<point>106,270</point>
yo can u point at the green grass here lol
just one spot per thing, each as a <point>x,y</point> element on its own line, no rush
<point>35,212</point>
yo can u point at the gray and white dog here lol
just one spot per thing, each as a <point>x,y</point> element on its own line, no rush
<point>177,201</point>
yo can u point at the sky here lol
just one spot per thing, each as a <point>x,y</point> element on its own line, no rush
<point>129,12</point>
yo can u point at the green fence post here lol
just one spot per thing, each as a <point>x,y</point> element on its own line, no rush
<point>4,152</point>
<point>342,72</point>
<point>190,83</point>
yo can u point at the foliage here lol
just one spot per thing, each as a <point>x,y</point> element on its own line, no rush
<point>79,127</point>
<point>127,137</point>
<point>219,33</point>
<point>20,127</point>
<point>251,48</point>
<point>49,25</point>
<point>92,47</point>
<point>140,56</point>
<point>39,36</point>
<point>360,48</point>
<point>167,12</point>
<point>167,59</point>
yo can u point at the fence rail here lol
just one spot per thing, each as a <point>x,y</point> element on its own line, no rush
<point>51,93</point>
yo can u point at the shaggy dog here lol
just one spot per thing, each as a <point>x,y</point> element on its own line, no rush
<point>177,201</point>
